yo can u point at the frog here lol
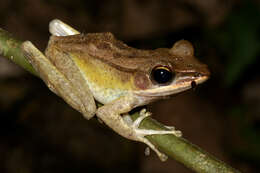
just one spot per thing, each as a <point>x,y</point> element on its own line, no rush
<point>96,67</point>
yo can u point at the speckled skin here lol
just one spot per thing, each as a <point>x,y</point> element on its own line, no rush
<point>83,68</point>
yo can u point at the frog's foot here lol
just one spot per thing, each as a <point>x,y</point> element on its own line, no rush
<point>141,133</point>
<point>143,115</point>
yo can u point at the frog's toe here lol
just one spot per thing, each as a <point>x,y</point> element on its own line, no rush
<point>161,155</point>
<point>141,133</point>
<point>145,132</point>
<point>170,127</point>
<point>143,114</point>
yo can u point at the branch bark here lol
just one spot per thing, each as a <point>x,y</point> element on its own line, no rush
<point>175,147</point>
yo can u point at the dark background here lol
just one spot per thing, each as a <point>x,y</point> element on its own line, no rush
<point>40,133</point>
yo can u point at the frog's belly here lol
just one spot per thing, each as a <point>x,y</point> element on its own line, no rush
<point>105,95</point>
<point>105,82</point>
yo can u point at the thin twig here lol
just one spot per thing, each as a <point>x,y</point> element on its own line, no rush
<point>175,147</point>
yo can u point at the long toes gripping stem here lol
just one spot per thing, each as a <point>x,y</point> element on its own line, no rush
<point>144,132</point>
<point>141,133</point>
<point>143,114</point>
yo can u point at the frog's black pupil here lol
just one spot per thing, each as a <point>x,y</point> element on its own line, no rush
<point>162,75</point>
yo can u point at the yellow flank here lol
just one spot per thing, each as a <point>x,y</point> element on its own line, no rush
<point>103,75</point>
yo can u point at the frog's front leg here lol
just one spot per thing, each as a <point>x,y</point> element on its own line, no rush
<point>111,115</point>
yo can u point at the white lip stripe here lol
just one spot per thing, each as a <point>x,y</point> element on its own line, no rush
<point>170,89</point>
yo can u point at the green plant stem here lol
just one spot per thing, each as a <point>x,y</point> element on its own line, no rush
<point>10,48</point>
<point>175,147</point>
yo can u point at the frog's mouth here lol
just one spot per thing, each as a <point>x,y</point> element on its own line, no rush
<point>179,85</point>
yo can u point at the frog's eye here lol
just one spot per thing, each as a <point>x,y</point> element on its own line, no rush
<point>162,75</point>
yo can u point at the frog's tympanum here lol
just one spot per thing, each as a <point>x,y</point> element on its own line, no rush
<point>82,68</point>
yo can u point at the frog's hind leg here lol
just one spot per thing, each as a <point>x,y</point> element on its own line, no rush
<point>54,79</point>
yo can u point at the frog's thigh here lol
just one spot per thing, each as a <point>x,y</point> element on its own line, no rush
<point>66,65</point>
<point>55,80</point>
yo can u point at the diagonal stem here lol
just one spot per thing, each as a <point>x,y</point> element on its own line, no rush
<point>175,147</point>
